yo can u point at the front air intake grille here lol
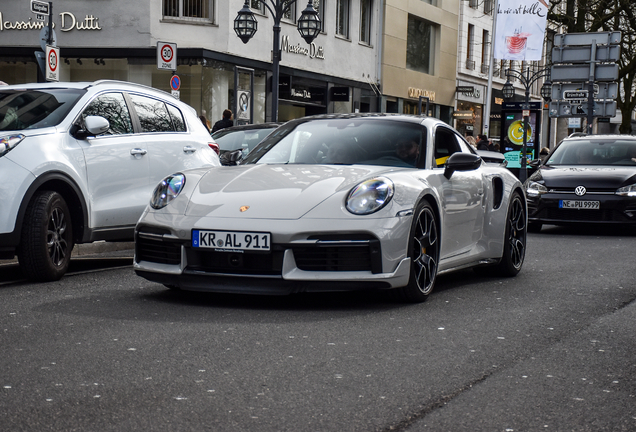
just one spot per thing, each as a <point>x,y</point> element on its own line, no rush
<point>576,215</point>
<point>157,251</point>
<point>333,258</point>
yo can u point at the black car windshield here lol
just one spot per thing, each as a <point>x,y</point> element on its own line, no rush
<point>33,109</point>
<point>240,139</point>
<point>348,141</point>
<point>610,152</point>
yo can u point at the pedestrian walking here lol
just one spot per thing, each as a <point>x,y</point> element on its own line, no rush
<point>226,121</point>
<point>483,143</point>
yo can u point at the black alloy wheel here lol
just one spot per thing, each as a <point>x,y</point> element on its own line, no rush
<point>515,238</point>
<point>46,243</point>
<point>423,249</point>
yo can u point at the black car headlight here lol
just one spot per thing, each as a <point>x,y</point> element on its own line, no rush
<point>629,191</point>
<point>167,190</point>
<point>370,196</point>
<point>534,189</point>
<point>8,142</point>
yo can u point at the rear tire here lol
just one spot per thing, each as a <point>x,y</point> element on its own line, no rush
<point>46,242</point>
<point>515,238</point>
<point>423,249</point>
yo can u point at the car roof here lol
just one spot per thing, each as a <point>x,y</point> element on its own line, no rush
<point>269,125</point>
<point>124,85</point>
<point>598,137</point>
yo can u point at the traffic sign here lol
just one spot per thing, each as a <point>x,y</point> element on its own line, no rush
<point>175,82</point>
<point>44,38</point>
<point>40,17</point>
<point>52,61</point>
<point>581,72</point>
<point>166,56</point>
<point>582,54</point>
<point>608,90</point>
<point>39,7</point>
<point>600,38</point>
<point>560,109</point>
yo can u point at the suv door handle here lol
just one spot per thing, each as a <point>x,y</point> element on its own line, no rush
<point>189,149</point>
<point>138,151</point>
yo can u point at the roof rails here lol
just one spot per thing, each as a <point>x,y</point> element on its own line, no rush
<point>577,134</point>
<point>107,81</point>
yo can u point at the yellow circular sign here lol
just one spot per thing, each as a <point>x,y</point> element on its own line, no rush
<point>515,132</point>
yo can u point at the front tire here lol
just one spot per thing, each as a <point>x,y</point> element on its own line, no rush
<point>423,249</point>
<point>46,242</point>
<point>515,238</point>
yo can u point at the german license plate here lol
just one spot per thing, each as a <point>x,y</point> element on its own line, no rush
<point>231,240</point>
<point>587,205</point>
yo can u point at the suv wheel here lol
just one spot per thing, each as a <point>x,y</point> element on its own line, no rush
<point>47,238</point>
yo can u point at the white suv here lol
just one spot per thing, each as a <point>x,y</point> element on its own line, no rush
<point>79,161</point>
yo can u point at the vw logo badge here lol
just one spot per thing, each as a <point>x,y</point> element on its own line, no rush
<point>580,190</point>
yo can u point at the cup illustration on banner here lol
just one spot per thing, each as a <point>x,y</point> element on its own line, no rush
<point>517,43</point>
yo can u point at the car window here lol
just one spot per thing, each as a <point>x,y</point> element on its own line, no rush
<point>445,145</point>
<point>595,152</point>
<point>177,118</point>
<point>33,109</point>
<point>111,106</point>
<point>152,113</point>
<point>344,141</point>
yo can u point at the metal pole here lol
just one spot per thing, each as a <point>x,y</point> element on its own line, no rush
<point>590,90</point>
<point>486,113</point>
<point>50,38</point>
<point>276,64</point>
<point>523,173</point>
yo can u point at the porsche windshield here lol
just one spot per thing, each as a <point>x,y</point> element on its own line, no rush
<point>610,152</point>
<point>362,141</point>
<point>33,109</point>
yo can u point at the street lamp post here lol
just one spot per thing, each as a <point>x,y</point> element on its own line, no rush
<point>245,26</point>
<point>526,79</point>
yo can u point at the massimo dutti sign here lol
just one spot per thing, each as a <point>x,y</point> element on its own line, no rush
<point>68,21</point>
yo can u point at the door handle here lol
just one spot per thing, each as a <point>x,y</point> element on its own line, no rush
<point>189,149</point>
<point>138,151</point>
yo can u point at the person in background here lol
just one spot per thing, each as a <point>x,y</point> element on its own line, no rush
<point>205,122</point>
<point>471,141</point>
<point>483,143</point>
<point>543,154</point>
<point>226,121</point>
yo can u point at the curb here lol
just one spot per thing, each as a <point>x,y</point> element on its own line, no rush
<point>95,248</point>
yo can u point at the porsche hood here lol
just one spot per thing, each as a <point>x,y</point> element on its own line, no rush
<point>273,191</point>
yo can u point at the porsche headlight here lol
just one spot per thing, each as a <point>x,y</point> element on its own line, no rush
<point>167,190</point>
<point>370,196</point>
<point>629,191</point>
<point>8,142</point>
<point>534,189</point>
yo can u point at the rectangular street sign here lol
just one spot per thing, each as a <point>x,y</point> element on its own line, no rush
<point>607,90</point>
<point>559,109</point>
<point>39,7</point>
<point>582,54</point>
<point>580,94</point>
<point>601,38</point>
<point>581,72</point>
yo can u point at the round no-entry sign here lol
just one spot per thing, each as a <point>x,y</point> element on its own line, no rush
<point>175,82</point>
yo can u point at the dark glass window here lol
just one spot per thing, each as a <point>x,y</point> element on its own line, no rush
<point>111,106</point>
<point>152,113</point>
<point>177,118</point>
<point>33,109</point>
<point>419,45</point>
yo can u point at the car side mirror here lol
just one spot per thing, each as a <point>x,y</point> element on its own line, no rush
<point>461,162</point>
<point>535,163</point>
<point>94,125</point>
<point>231,158</point>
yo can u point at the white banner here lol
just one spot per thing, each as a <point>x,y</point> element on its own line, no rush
<point>520,29</point>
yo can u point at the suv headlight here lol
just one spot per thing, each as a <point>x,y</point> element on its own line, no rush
<point>167,190</point>
<point>9,142</point>
<point>629,191</point>
<point>370,196</point>
<point>534,189</point>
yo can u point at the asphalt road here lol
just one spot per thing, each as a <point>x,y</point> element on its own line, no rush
<point>550,350</point>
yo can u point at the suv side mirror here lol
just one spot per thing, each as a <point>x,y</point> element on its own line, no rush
<point>95,125</point>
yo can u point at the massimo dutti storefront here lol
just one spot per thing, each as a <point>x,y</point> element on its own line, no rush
<point>117,39</point>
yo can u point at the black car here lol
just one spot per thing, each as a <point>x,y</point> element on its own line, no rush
<point>237,141</point>
<point>589,179</point>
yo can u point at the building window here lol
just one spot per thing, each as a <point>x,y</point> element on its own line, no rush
<point>257,5</point>
<point>485,45</point>
<point>473,3</point>
<point>189,10</point>
<point>342,18</point>
<point>488,7</point>
<point>290,15</point>
<point>470,63</point>
<point>420,43</point>
<point>365,21</point>
<point>319,5</point>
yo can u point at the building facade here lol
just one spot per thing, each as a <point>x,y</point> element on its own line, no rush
<point>118,39</point>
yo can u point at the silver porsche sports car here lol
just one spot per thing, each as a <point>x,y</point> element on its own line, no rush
<point>336,202</point>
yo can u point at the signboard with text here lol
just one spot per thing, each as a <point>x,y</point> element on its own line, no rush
<point>167,56</point>
<point>52,61</point>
